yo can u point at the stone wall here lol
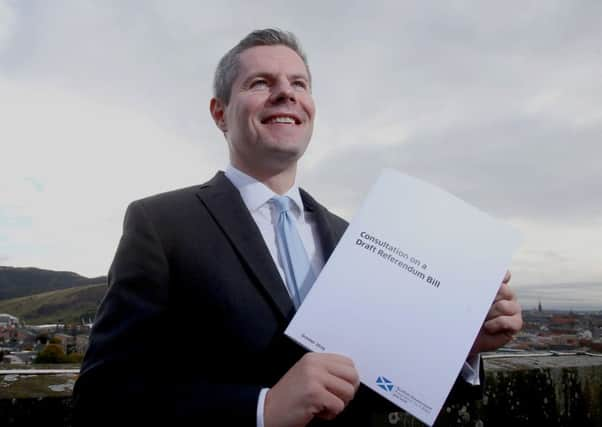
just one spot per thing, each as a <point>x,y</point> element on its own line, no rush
<point>520,391</point>
<point>527,391</point>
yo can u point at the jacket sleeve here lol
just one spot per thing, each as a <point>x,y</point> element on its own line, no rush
<point>131,368</point>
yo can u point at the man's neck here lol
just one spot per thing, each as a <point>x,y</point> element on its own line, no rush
<point>279,181</point>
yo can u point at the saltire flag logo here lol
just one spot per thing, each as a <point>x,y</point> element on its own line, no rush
<point>384,383</point>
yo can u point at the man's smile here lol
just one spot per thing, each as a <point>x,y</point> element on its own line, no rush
<point>282,119</point>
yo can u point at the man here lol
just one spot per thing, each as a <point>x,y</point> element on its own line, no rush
<point>204,267</point>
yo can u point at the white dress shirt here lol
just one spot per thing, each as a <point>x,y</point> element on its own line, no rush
<point>256,196</point>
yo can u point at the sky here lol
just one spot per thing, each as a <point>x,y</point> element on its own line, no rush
<point>499,103</point>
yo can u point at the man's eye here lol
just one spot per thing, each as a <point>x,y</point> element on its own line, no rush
<point>258,83</point>
<point>300,84</point>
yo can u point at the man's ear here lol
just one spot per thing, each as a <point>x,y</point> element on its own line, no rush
<point>217,109</point>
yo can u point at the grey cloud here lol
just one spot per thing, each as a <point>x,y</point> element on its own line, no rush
<point>515,169</point>
<point>421,61</point>
<point>8,24</point>
<point>503,110</point>
<point>499,103</point>
<point>481,61</point>
<point>153,56</point>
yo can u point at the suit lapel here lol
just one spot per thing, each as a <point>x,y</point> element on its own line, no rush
<point>225,205</point>
<point>328,240</point>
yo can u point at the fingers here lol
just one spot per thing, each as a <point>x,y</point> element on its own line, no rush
<point>503,307</point>
<point>504,292</point>
<point>323,402</point>
<point>337,385</point>
<point>333,406</point>
<point>346,372</point>
<point>340,388</point>
<point>504,324</point>
<point>503,320</point>
<point>487,342</point>
<point>331,382</point>
<point>335,364</point>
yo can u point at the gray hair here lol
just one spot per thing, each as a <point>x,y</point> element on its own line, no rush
<point>227,68</point>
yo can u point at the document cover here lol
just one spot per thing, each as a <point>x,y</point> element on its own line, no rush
<point>406,290</point>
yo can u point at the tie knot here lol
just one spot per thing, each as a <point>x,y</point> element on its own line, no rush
<point>282,203</point>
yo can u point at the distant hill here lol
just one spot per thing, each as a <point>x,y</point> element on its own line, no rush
<point>18,282</point>
<point>68,305</point>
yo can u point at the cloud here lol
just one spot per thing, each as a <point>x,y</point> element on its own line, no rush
<point>105,102</point>
<point>518,168</point>
<point>8,23</point>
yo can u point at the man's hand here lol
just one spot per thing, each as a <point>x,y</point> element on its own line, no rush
<point>318,385</point>
<point>503,320</point>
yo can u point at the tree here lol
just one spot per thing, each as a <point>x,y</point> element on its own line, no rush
<point>75,357</point>
<point>52,353</point>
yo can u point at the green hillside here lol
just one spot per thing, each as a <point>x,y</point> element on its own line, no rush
<point>19,282</point>
<point>67,305</point>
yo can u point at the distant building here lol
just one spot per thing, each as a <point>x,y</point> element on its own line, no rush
<point>81,343</point>
<point>11,359</point>
<point>563,324</point>
<point>7,320</point>
<point>48,327</point>
<point>19,358</point>
<point>25,338</point>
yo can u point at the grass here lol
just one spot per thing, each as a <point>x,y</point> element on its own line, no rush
<point>35,386</point>
<point>68,305</point>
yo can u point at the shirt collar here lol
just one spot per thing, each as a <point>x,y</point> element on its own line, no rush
<point>255,194</point>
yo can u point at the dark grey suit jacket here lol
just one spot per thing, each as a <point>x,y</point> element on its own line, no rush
<point>191,327</point>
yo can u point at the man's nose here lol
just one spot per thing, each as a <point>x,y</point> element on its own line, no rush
<point>283,91</point>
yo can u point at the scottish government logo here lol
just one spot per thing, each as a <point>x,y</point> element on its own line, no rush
<point>384,383</point>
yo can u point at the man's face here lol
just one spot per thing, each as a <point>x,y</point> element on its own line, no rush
<point>269,120</point>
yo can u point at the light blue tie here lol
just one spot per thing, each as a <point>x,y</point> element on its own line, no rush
<point>297,268</point>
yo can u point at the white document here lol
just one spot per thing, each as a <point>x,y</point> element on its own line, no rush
<point>406,290</point>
